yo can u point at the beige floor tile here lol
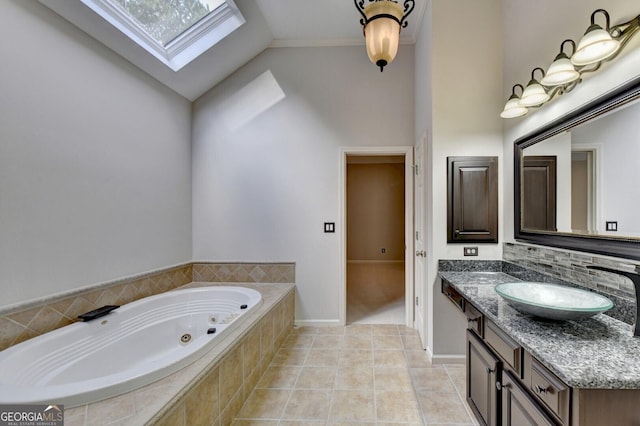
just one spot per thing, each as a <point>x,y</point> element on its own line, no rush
<point>316,378</point>
<point>289,356</point>
<point>353,405</point>
<point>279,377</point>
<point>384,330</point>
<point>417,359</point>
<point>298,341</point>
<point>358,329</point>
<point>354,377</point>
<point>439,407</point>
<point>331,330</point>
<point>458,375</point>
<point>392,378</point>
<point>356,357</point>
<point>322,358</point>
<point>237,422</point>
<point>397,406</point>
<point>264,404</point>
<point>411,342</point>
<point>302,423</point>
<point>387,342</point>
<point>358,341</point>
<point>389,358</point>
<point>308,405</point>
<point>328,342</point>
<point>432,378</point>
<point>305,330</point>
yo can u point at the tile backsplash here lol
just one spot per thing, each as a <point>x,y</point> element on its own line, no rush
<point>571,266</point>
<point>18,324</point>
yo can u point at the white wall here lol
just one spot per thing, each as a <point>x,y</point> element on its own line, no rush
<point>94,161</point>
<point>532,38</point>
<point>262,187</point>
<point>462,74</point>
<point>616,136</point>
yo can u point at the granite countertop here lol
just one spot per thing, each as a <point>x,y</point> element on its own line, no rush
<point>594,353</point>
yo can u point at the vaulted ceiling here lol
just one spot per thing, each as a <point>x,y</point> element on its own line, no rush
<point>269,23</point>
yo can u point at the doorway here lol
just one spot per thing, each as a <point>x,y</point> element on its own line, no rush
<point>377,272</point>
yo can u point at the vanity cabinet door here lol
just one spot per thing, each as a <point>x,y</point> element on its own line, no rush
<point>518,408</point>
<point>483,370</point>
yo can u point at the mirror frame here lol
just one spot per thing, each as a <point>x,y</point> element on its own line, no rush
<point>628,248</point>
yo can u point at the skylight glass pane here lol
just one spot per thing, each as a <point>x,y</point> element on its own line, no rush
<point>164,20</point>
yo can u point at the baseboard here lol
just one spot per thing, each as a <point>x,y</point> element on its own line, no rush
<point>317,323</point>
<point>445,359</point>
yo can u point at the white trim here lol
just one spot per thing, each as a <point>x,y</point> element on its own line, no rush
<point>445,359</point>
<point>407,151</point>
<point>186,46</point>
<point>328,42</point>
<point>316,323</point>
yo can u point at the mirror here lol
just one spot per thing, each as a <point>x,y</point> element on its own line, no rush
<point>576,179</point>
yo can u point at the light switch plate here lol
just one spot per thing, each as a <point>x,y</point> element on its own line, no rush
<point>611,225</point>
<point>329,227</point>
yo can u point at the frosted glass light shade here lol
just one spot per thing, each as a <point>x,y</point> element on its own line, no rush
<point>560,72</point>
<point>595,46</point>
<point>382,34</point>
<point>513,109</point>
<point>533,95</point>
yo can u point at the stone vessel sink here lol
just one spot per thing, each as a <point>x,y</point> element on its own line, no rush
<point>553,301</point>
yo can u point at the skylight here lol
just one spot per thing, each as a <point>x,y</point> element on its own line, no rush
<point>174,31</point>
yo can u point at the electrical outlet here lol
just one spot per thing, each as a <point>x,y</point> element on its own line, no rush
<point>470,251</point>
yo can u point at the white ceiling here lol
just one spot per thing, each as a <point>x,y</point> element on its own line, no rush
<point>269,23</point>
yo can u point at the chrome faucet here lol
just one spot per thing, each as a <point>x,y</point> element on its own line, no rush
<point>635,278</point>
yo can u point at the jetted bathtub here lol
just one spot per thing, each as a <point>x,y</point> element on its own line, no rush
<point>132,346</point>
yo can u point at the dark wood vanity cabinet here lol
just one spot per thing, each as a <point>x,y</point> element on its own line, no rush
<point>518,407</point>
<point>483,370</point>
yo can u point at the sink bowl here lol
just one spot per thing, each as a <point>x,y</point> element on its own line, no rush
<point>553,301</point>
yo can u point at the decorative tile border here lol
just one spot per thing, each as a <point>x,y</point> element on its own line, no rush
<point>20,323</point>
<point>244,272</point>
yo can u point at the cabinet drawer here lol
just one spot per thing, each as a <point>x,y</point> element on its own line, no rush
<point>453,294</point>
<point>550,390</point>
<point>474,319</point>
<point>504,345</point>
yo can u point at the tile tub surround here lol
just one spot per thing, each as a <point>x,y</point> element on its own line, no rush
<point>594,353</point>
<point>21,322</point>
<point>212,389</point>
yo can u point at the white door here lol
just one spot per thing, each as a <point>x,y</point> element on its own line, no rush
<point>419,219</point>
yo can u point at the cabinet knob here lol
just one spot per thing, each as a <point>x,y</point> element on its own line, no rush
<point>499,385</point>
<point>472,319</point>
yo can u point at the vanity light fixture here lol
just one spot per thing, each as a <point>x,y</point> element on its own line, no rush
<point>598,45</point>
<point>513,108</point>
<point>534,94</point>
<point>381,23</point>
<point>561,71</point>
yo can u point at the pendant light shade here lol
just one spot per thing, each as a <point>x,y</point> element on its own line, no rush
<point>561,71</point>
<point>597,44</point>
<point>382,33</point>
<point>513,108</point>
<point>381,24</point>
<point>534,94</point>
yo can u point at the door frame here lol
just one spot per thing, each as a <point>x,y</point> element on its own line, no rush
<point>407,152</point>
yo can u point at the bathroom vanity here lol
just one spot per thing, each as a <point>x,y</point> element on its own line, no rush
<point>522,370</point>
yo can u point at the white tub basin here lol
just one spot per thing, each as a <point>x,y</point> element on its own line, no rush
<point>553,301</point>
<point>136,344</point>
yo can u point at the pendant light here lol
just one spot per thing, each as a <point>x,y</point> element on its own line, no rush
<point>561,71</point>
<point>381,22</point>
